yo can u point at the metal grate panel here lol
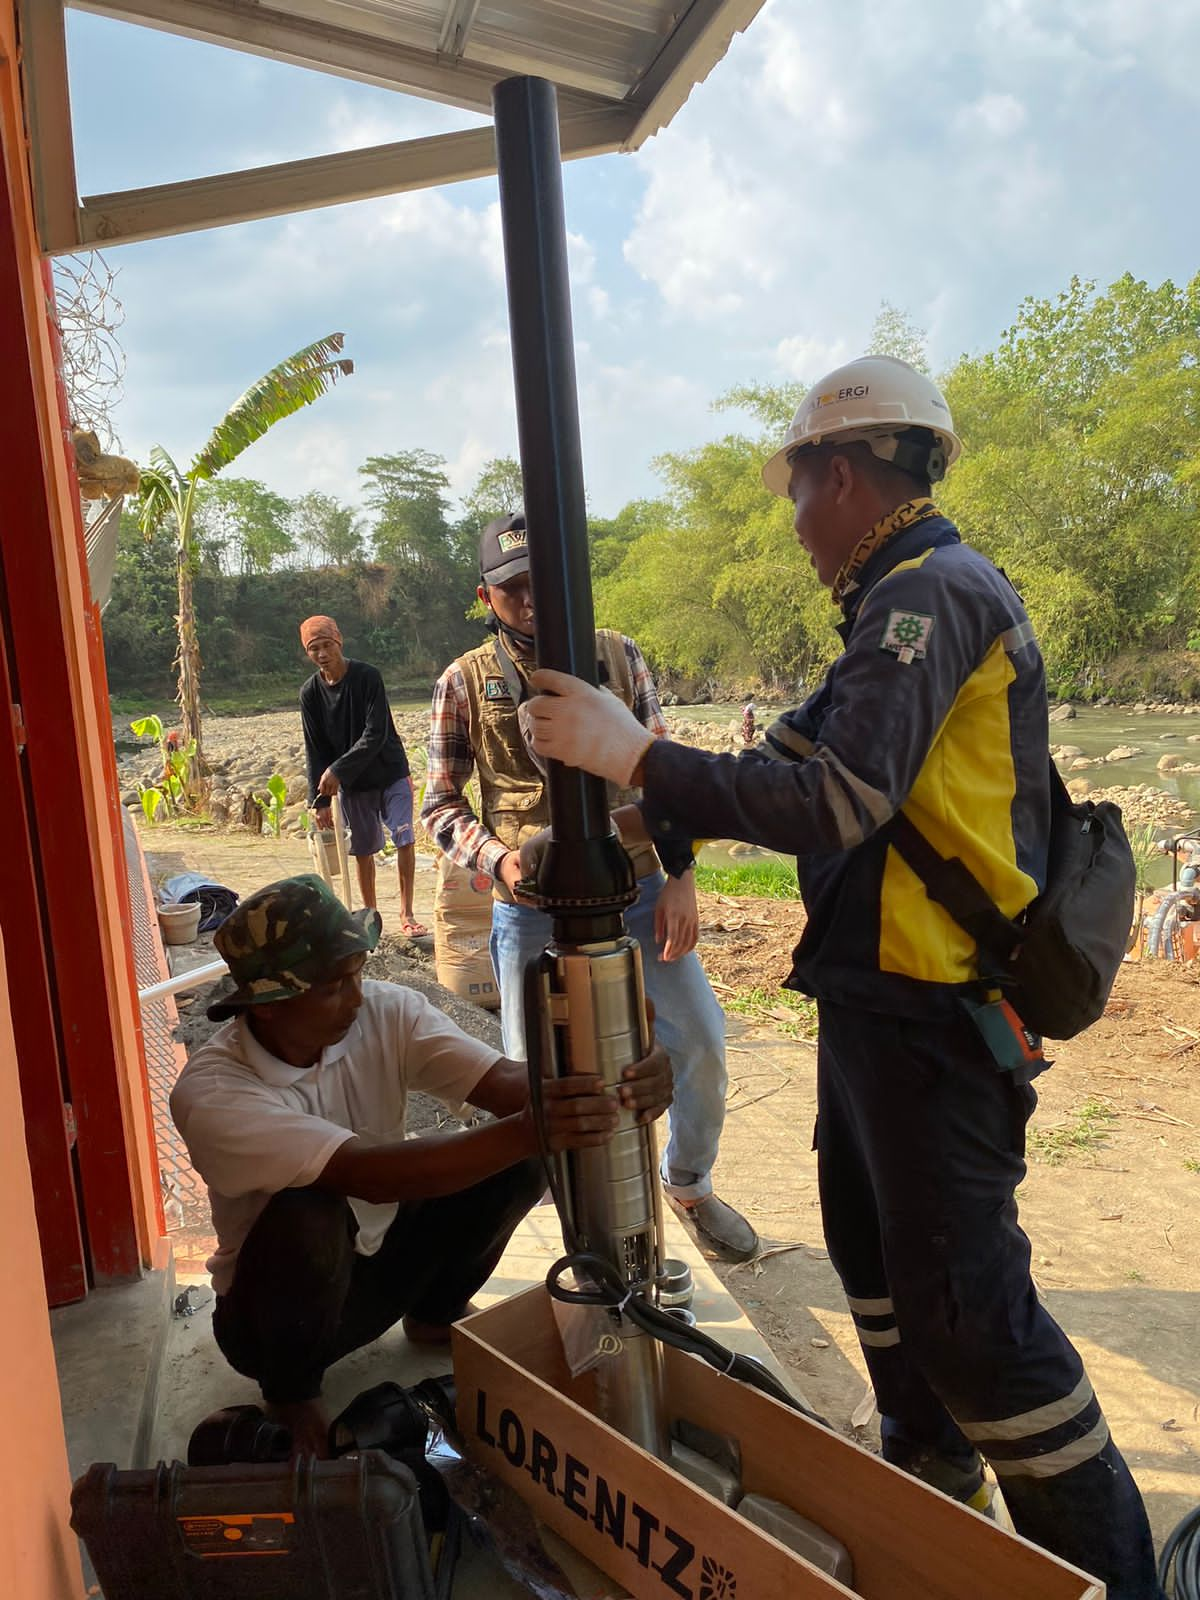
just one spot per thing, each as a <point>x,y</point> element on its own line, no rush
<point>164,1056</point>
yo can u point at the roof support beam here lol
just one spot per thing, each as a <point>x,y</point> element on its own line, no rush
<point>52,154</point>
<point>170,208</point>
<point>456,30</point>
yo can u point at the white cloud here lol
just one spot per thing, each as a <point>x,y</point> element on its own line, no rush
<point>951,163</point>
<point>702,233</point>
<point>806,359</point>
<point>997,114</point>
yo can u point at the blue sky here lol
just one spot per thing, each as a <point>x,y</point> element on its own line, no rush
<point>948,158</point>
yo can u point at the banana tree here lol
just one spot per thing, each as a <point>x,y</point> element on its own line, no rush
<point>166,491</point>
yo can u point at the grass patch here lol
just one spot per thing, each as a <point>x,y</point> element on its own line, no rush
<point>773,880</point>
<point>1191,1163</point>
<point>792,1015</point>
<point>1086,1130</point>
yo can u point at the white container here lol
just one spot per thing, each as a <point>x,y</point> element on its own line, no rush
<point>179,921</point>
<point>323,842</point>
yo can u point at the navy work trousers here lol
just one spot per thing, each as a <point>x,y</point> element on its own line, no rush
<point>302,1297</point>
<point>921,1145</point>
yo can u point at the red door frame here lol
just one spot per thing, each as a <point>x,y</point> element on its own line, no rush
<point>44,641</point>
<point>38,1053</point>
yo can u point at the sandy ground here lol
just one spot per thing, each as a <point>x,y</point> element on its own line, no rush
<point>1111,1202</point>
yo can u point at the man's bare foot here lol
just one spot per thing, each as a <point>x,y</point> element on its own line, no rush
<point>418,1332</point>
<point>308,1423</point>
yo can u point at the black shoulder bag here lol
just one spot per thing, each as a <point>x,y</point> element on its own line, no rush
<point>1057,963</point>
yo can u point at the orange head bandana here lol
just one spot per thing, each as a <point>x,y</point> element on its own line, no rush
<point>318,628</point>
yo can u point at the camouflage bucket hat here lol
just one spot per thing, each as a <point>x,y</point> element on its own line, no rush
<point>283,939</point>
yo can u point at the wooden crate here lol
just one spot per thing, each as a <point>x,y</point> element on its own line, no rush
<point>525,1419</point>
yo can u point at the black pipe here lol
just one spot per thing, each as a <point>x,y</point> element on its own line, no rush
<point>585,877</point>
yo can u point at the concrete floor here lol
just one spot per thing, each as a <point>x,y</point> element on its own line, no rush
<point>196,1379</point>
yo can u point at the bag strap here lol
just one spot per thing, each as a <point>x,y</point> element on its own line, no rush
<point>513,681</point>
<point>952,885</point>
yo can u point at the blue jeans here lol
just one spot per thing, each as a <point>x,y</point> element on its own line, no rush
<point>689,1024</point>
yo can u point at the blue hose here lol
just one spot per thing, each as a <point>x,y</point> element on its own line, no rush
<point>1156,922</point>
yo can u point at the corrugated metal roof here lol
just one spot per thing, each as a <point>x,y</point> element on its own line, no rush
<point>602,48</point>
<point>622,67</point>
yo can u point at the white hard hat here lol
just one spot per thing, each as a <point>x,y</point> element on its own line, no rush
<point>875,398</point>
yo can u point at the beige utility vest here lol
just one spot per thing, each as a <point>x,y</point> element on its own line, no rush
<point>513,800</point>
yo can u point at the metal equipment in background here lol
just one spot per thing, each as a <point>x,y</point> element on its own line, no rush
<point>585,1007</point>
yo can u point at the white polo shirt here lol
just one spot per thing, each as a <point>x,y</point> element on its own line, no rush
<point>254,1125</point>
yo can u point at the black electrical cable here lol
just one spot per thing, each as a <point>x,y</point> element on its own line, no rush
<point>609,1290</point>
<point>1179,1562</point>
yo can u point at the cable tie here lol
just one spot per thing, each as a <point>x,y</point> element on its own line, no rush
<point>732,1362</point>
<point>623,1303</point>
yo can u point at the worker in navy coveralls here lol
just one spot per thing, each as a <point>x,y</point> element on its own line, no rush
<point>937,705</point>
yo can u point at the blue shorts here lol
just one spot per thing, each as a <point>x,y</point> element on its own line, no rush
<point>369,811</point>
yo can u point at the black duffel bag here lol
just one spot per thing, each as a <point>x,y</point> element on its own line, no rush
<point>1056,963</point>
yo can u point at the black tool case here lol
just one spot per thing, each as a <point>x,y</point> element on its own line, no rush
<point>348,1529</point>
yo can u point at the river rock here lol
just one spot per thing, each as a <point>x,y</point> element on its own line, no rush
<point>1080,762</point>
<point>1065,752</point>
<point>1172,762</point>
<point>1063,713</point>
<point>1145,806</point>
<point>1079,788</point>
<point>1123,752</point>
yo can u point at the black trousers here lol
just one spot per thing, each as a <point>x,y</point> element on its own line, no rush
<point>921,1145</point>
<point>302,1297</point>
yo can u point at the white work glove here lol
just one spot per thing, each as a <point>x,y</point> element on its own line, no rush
<point>586,727</point>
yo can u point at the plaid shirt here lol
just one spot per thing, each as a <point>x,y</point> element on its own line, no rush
<point>446,814</point>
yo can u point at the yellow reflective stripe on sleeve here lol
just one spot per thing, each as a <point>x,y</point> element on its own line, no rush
<point>1055,1462</point>
<point>874,801</point>
<point>849,828</point>
<point>1041,1418</point>
<point>781,733</point>
<point>1017,638</point>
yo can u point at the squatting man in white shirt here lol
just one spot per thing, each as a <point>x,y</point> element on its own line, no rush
<point>331,1225</point>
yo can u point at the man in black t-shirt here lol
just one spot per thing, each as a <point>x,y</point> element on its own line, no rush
<point>351,747</point>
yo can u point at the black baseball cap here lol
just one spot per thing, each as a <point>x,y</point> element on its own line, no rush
<point>503,548</point>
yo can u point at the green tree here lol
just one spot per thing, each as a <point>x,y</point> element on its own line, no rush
<point>773,404</point>
<point>709,578</point>
<point>896,334</point>
<point>1081,474</point>
<point>169,494</point>
<point>498,490</point>
<point>246,522</point>
<point>409,494</point>
<point>326,532</point>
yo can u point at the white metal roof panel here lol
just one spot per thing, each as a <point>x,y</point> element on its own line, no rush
<point>622,67</point>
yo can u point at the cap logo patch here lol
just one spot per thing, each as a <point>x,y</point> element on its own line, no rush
<point>514,539</point>
<point>496,689</point>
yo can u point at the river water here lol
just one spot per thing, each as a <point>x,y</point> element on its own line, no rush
<point>1093,731</point>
